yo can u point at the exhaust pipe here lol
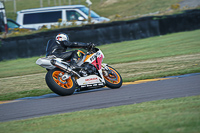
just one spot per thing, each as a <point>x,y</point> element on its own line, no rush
<point>63,67</point>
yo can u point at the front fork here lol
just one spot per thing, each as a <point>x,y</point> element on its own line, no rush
<point>105,70</point>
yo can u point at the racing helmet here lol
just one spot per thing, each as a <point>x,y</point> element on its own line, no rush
<point>62,37</point>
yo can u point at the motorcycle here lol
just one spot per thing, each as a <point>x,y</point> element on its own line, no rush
<point>63,80</point>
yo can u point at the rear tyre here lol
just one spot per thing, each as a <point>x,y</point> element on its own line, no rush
<point>57,85</point>
<point>113,79</point>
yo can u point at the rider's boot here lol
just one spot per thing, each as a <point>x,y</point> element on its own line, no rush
<point>74,65</point>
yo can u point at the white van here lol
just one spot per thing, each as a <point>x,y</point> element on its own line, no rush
<point>36,18</point>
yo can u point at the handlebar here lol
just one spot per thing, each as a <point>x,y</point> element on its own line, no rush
<point>91,48</point>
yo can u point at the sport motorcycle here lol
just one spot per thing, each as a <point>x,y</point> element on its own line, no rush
<point>63,80</point>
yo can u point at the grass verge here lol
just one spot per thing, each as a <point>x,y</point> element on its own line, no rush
<point>162,116</point>
<point>21,94</point>
<point>168,55</point>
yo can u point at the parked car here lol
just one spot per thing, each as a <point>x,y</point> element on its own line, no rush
<point>58,15</point>
<point>14,26</point>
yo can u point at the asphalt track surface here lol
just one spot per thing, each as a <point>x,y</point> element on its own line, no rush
<point>102,98</point>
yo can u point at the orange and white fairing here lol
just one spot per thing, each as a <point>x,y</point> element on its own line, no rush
<point>95,59</point>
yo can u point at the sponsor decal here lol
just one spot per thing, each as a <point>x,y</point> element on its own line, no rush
<point>98,54</point>
<point>90,79</point>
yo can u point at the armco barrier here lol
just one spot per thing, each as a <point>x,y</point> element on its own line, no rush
<point>34,45</point>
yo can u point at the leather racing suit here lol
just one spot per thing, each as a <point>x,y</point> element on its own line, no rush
<point>59,50</point>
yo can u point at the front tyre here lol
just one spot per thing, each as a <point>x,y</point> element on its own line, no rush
<point>57,85</point>
<point>112,78</point>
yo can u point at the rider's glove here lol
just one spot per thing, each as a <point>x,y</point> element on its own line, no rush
<point>90,46</point>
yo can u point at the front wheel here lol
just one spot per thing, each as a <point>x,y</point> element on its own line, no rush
<point>112,78</point>
<point>56,84</point>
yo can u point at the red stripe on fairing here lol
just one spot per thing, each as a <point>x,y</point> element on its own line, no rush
<point>99,60</point>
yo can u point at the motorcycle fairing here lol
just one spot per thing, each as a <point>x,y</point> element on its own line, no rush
<point>90,80</point>
<point>95,59</point>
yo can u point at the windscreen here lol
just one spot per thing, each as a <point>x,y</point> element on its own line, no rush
<point>86,11</point>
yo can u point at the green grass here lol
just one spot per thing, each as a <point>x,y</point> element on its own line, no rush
<point>154,57</point>
<point>105,8</point>
<point>19,67</point>
<point>27,93</point>
<point>154,47</point>
<point>162,116</point>
<point>132,7</point>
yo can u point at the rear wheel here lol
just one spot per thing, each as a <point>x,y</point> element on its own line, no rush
<point>112,78</point>
<point>58,85</point>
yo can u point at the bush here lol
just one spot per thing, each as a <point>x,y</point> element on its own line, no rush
<point>175,6</point>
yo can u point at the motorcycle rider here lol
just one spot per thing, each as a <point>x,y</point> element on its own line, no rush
<point>59,45</point>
